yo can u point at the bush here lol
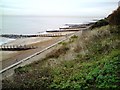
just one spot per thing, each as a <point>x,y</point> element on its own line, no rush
<point>38,79</point>
<point>74,36</point>
<point>58,52</point>
<point>102,22</point>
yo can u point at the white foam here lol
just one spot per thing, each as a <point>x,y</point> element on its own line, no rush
<point>5,40</point>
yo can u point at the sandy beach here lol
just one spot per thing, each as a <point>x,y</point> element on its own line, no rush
<point>9,57</point>
<point>28,41</point>
<point>34,41</point>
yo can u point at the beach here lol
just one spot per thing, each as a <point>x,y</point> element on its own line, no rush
<point>10,57</point>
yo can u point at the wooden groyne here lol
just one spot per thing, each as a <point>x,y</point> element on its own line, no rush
<point>25,36</point>
<point>74,26</point>
<point>16,47</point>
<point>63,30</point>
<point>70,28</point>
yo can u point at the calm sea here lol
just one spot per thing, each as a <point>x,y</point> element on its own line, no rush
<point>36,24</point>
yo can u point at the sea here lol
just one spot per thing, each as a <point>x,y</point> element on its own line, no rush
<point>37,24</point>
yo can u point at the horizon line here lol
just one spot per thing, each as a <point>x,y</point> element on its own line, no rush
<point>58,16</point>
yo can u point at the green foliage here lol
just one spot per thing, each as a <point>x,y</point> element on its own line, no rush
<point>115,30</point>
<point>37,79</point>
<point>74,36</point>
<point>63,43</point>
<point>97,69</point>
<point>100,23</point>
<point>57,53</point>
<point>22,70</point>
<point>97,75</point>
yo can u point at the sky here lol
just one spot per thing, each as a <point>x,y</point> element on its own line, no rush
<point>58,7</point>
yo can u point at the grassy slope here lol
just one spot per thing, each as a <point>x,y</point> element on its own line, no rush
<point>98,68</point>
<point>89,61</point>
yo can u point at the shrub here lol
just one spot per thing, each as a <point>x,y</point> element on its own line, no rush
<point>58,52</point>
<point>22,70</point>
<point>38,79</point>
<point>102,22</point>
<point>74,36</point>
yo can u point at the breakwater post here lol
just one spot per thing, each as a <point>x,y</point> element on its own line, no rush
<point>15,47</point>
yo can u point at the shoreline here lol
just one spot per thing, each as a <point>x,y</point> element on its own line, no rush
<point>28,39</point>
<point>28,56</point>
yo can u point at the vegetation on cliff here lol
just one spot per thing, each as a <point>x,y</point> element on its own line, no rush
<point>114,18</point>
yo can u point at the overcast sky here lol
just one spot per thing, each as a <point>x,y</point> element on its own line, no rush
<point>58,7</point>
